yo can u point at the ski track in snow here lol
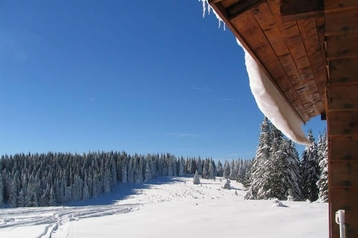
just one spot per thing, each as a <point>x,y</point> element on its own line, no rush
<point>56,219</point>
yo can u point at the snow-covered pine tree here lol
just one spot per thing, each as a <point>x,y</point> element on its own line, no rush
<point>270,183</point>
<point>233,170</point>
<point>211,171</point>
<point>227,184</point>
<point>199,166</point>
<point>226,170</point>
<point>261,158</point>
<point>309,170</point>
<point>154,166</point>
<point>130,170</point>
<point>85,193</point>
<point>148,172</point>
<point>219,171</point>
<point>21,198</point>
<point>140,167</point>
<point>283,175</point>
<point>113,172</point>
<point>106,181</point>
<point>205,169</point>
<point>275,168</point>
<point>51,198</point>
<point>124,172</point>
<point>181,167</point>
<point>196,179</point>
<point>322,183</point>
<point>77,188</point>
<point>14,189</point>
<point>1,188</point>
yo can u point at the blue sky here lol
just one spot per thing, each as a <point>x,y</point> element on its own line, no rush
<point>142,77</point>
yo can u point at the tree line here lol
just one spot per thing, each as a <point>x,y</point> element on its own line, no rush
<point>31,180</point>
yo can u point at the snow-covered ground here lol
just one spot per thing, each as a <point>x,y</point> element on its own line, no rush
<point>169,207</point>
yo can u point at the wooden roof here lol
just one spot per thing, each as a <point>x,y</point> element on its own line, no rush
<point>286,37</point>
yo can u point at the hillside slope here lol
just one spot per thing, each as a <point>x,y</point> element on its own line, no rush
<point>169,207</point>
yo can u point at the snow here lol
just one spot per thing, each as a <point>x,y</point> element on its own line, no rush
<point>170,206</point>
<point>272,104</point>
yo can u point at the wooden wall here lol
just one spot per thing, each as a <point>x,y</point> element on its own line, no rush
<point>341,18</point>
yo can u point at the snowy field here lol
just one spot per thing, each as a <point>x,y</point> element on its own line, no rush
<point>169,207</point>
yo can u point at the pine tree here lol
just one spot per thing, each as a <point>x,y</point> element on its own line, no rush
<point>211,172</point>
<point>1,187</point>
<point>86,192</point>
<point>205,169</point>
<point>124,173</point>
<point>196,179</point>
<point>21,198</point>
<point>226,170</point>
<point>282,174</point>
<point>77,189</point>
<point>322,183</point>
<point>219,172</point>
<point>106,181</point>
<point>148,172</point>
<point>309,170</point>
<point>199,167</point>
<point>13,196</point>
<point>52,198</point>
<point>233,170</point>
<point>275,169</point>
<point>258,169</point>
<point>227,184</point>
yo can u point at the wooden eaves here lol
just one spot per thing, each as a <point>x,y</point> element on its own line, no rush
<point>309,50</point>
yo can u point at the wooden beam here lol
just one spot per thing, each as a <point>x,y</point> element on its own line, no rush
<point>243,6</point>
<point>342,46</point>
<point>303,16</point>
<point>343,123</point>
<point>344,173</point>
<point>338,23</point>
<point>343,71</point>
<point>340,5</point>
<point>342,97</point>
<point>292,7</point>
<point>343,148</point>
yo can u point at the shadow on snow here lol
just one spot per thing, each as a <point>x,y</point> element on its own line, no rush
<point>122,191</point>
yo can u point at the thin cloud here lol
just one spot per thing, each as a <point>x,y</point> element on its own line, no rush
<point>134,94</point>
<point>229,99</point>
<point>203,89</point>
<point>182,134</point>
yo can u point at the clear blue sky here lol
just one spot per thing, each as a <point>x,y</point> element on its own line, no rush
<point>142,77</point>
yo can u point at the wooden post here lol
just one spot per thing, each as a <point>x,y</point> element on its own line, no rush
<point>341,18</point>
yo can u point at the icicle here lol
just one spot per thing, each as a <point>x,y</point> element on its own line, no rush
<point>204,2</point>
<point>208,8</point>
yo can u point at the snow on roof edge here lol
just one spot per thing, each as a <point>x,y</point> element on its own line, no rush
<point>269,100</point>
<point>272,104</point>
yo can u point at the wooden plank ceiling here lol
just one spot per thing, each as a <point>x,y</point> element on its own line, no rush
<point>288,46</point>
